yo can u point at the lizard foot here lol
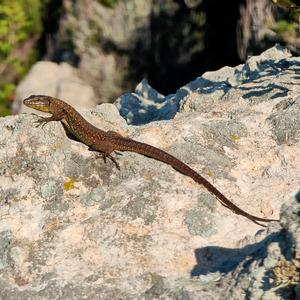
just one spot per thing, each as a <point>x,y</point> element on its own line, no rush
<point>105,155</point>
<point>41,122</point>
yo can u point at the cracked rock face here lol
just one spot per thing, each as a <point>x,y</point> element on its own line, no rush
<point>73,227</point>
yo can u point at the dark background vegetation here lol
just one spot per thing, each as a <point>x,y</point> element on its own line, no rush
<point>187,38</point>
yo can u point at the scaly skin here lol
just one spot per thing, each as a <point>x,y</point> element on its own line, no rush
<point>106,142</point>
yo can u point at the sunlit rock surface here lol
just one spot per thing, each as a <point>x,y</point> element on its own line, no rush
<point>73,227</point>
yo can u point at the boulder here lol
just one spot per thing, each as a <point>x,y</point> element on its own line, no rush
<point>74,227</point>
<point>56,80</point>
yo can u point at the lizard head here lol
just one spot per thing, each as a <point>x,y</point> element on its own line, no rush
<point>39,102</point>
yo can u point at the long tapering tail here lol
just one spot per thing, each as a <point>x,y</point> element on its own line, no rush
<point>124,144</point>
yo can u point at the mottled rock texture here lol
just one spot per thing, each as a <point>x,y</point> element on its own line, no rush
<point>73,227</point>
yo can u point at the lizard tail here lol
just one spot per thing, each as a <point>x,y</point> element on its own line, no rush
<point>124,144</point>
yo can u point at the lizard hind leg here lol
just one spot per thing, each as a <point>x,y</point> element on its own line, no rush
<point>104,153</point>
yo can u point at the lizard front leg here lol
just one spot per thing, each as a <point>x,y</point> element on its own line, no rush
<point>42,121</point>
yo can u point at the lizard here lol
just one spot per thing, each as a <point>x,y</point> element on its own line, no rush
<point>106,142</point>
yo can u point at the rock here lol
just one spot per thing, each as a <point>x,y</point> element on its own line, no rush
<point>57,80</point>
<point>146,105</point>
<point>206,93</point>
<point>103,38</point>
<point>244,81</point>
<point>73,227</point>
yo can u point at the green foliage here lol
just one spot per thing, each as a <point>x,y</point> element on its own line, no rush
<point>286,25</point>
<point>283,26</point>
<point>20,20</point>
<point>108,3</point>
<point>287,4</point>
<point>96,33</point>
<point>287,28</point>
<point>7,91</point>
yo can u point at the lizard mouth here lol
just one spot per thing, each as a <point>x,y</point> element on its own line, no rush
<point>38,102</point>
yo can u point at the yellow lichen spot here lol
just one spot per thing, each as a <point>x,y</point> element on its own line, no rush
<point>56,147</point>
<point>210,173</point>
<point>234,137</point>
<point>69,184</point>
<point>286,273</point>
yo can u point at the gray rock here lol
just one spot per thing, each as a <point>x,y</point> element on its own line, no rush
<point>285,121</point>
<point>73,227</point>
<point>206,93</point>
<point>261,78</point>
<point>146,105</point>
<point>56,80</point>
<point>199,220</point>
<point>102,37</point>
<point>5,241</point>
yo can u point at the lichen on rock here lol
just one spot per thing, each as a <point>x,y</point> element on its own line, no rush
<point>73,227</point>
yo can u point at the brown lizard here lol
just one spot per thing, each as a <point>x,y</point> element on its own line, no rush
<point>106,142</point>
